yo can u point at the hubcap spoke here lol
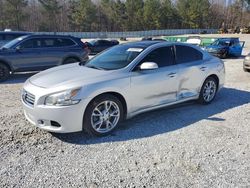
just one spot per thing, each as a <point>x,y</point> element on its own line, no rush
<point>105,116</point>
<point>209,91</point>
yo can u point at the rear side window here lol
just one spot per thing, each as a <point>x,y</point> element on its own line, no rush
<point>61,42</point>
<point>162,56</point>
<point>185,54</point>
<point>49,42</point>
<point>104,42</point>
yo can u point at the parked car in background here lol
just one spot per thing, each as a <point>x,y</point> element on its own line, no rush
<point>246,63</point>
<point>97,46</point>
<point>226,47</point>
<point>153,39</point>
<point>120,83</point>
<point>7,36</point>
<point>39,52</point>
<point>195,40</point>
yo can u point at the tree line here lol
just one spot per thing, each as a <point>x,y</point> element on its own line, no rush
<point>121,15</point>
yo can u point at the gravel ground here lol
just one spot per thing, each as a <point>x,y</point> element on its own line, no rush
<point>188,145</point>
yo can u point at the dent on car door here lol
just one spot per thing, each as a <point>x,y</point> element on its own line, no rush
<point>192,71</point>
<point>158,86</point>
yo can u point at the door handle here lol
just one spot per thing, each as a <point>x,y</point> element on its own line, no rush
<point>203,68</point>
<point>172,74</point>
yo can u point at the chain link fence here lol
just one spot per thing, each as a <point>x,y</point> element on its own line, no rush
<point>134,34</point>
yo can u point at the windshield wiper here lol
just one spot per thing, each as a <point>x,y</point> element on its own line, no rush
<point>94,67</point>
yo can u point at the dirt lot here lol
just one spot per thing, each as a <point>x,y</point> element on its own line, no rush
<point>188,145</point>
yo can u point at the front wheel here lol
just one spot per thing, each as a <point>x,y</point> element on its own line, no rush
<point>102,115</point>
<point>208,91</point>
<point>70,60</point>
<point>4,72</point>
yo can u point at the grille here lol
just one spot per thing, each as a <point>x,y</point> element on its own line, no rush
<point>28,98</point>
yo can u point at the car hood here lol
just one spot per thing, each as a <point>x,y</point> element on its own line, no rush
<point>67,74</point>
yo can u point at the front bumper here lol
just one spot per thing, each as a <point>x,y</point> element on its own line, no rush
<point>60,119</point>
<point>68,118</point>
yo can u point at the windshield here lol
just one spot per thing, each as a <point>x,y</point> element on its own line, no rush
<point>221,42</point>
<point>115,58</point>
<point>12,43</point>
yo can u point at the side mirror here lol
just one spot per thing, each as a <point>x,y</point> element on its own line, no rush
<point>18,48</point>
<point>149,66</point>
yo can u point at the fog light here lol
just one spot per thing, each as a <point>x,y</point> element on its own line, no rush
<point>40,122</point>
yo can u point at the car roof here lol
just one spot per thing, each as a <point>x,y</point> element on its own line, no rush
<point>229,38</point>
<point>143,44</point>
<point>53,36</point>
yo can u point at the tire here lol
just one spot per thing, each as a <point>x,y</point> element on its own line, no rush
<point>208,91</point>
<point>246,70</point>
<point>4,72</point>
<point>99,121</point>
<point>70,60</point>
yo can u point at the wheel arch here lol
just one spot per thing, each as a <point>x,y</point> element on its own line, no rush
<point>6,63</point>
<point>214,76</point>
<point>117,95</point>
<point>69,57</point>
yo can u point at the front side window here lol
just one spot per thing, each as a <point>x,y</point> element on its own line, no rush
<point>115,58</point>
<point>185,54</point>
<point>31,43</point>
<point>162,56</point>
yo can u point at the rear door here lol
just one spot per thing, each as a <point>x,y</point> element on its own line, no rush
<point>192,71</point>
<point>155,87</point>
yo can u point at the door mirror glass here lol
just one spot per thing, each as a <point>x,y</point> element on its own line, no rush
<point>18,48</point>
<point>149,66</point>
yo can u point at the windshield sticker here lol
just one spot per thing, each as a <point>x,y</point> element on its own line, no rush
<point>134,50</point>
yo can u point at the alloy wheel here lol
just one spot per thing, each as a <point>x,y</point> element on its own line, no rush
<point>105,116</point>
<point>209,91</point>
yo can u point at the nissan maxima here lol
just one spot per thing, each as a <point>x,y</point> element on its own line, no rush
<point>118,84</point>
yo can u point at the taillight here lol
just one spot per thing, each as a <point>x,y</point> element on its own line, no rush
<point>85,47</point>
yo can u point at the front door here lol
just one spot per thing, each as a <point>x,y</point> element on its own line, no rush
<point>158,86</point>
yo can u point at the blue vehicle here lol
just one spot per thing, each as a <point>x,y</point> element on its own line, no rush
<point>40,52</point>
<point>226,47</point>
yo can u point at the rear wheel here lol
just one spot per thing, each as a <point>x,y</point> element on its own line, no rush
<point>208,91</point>
<point>4,72</point>
<point>102,115</point>
<point>70,60</point>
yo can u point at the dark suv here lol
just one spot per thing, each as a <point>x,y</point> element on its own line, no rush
<point>97,46</point>
<point>7,36</point>
<point>39,52</point>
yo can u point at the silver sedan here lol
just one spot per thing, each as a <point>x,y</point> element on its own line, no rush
<point>120,83</point>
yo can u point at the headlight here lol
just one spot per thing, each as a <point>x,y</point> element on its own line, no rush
<point>64,98</point>
<point>247,58</point>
